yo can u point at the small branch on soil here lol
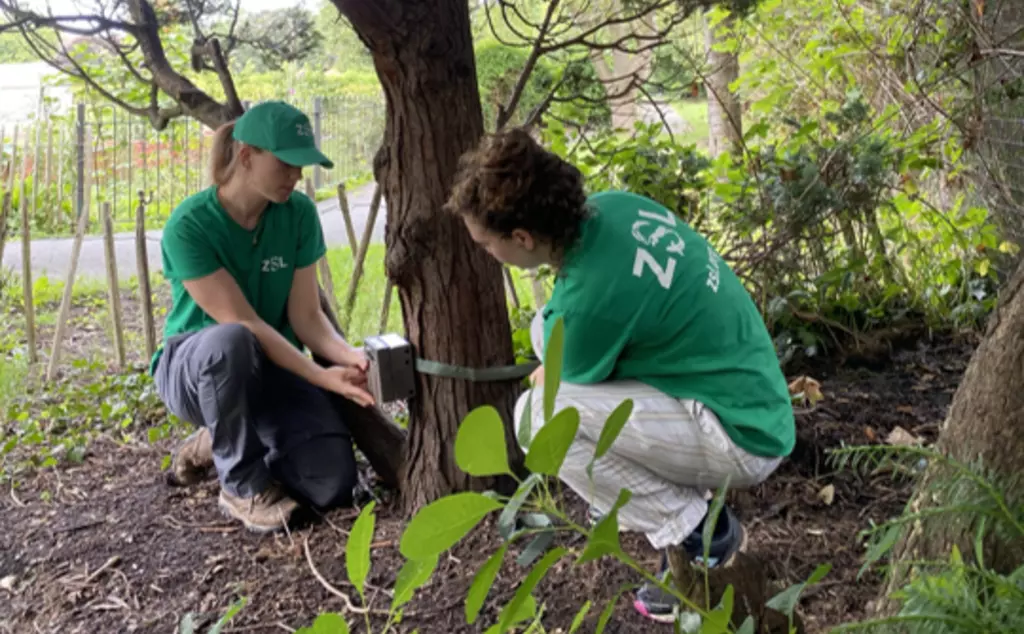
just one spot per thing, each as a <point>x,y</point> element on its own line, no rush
<point>113,561</point>
<point>14,497</point>
<point>338,593</point>
<point>74,528</point>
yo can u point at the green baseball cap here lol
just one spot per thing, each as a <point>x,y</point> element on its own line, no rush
<point>283,130</point>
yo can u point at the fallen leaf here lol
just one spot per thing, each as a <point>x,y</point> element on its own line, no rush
<point>817,532</point>
<point>900,437</point>
<point>806,390</point>
<point>827,494</point>
<point>7,583</point>
<point>870,433</point>
<point>905,409</point>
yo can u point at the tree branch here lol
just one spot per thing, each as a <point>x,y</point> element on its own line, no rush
<point>505,112</point>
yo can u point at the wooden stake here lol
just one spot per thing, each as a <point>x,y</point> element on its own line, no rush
<point>65,302</point>
<point>14,160</point>
<point>142,270</point>
<point>112,286</point>
<point>26,277</point>
<point>5,214</point>
<point>360,258</point>
<point>326,279</point>
<point>346,214</point>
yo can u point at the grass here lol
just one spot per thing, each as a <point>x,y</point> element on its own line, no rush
<point>695,113</point>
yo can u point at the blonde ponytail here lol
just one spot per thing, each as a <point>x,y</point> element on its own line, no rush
<point>223,154</point>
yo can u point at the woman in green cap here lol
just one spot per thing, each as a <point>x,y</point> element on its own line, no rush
<point>241,260</point>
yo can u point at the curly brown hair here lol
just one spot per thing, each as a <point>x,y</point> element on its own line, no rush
<point>510,182</point>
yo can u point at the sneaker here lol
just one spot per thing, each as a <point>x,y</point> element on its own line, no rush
<point>262,513</point>
<point>730,538</point>
<point>193,460</point>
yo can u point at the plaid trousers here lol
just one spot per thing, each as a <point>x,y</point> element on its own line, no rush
<point>670,453</point>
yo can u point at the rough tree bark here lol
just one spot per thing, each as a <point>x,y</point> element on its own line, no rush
<point>725,116</point>
<point>451,291</point>
<point>984,422</point>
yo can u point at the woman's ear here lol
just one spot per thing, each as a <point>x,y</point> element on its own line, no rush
<point>524,239</point>
<point>245,155</point>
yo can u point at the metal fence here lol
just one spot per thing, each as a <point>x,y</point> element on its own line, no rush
<point>1000,82</point>
<point>99,154</point>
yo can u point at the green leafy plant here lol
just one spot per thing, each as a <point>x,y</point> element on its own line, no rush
<point>950,596</point>
<point>532,512</point>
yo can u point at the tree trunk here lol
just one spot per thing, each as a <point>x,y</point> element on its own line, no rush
<point>984,423</point>
<point>451,291</point>
<point>725,117</point>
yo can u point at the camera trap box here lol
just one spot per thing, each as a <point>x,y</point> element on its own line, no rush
<point>392,372</point>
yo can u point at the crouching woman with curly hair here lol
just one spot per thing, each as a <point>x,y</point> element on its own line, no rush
<point>650,313</point>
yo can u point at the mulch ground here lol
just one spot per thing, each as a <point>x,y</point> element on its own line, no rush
<point>108,546</point>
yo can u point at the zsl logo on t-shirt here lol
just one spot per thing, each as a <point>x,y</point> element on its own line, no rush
<point>273,264</point>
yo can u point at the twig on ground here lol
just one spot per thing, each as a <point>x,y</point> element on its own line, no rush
<point>15,497</point>
<point>204,528</point>
<point>338,593</point>
<point>332,524</point>
<point>113,561</point>
<point>78,527</point>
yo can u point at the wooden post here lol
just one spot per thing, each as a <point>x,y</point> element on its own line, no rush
<point>360,255</point>
<point>65,302</point>
<point>5,214</point>
<point>14,160</point>
<point>26,274</point>
<point>142,270</point>
<point>346,214</point>
<point>326,279</point>
<point>112,286</point>
<point>60,177</point>
<point>35,159</point>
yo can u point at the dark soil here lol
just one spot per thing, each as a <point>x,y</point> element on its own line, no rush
<point>107,546</point>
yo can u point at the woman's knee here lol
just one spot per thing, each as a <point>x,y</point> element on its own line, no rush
<point>323,472</point>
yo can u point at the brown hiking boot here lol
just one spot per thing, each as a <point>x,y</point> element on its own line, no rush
<point>192,462</point>
<point>264,512</point>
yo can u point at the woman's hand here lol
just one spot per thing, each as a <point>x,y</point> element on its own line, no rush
<point>350,382</point>
<point>355,358</point>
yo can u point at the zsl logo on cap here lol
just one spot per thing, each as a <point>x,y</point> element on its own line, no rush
<point>303,129</point>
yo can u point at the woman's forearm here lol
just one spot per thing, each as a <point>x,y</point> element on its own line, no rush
<point>282,352</point>
<point>317,333</point>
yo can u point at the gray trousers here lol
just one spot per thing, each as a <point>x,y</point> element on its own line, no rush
<point>265,421</point>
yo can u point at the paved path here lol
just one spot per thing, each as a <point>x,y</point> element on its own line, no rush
<point>52,256</point>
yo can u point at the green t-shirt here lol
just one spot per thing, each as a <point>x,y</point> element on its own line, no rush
<point>200,238</point>
<point>643,297</point>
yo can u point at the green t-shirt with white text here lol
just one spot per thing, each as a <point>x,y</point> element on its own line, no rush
<point>200,238</point>
<point>644,297</point>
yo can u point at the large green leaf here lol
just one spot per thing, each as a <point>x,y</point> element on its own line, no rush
<point>553,367</point>
<point>604,539</point>
<point>442,523</point>
<point>326,623</point>
<point>413,574</point>
<point>547,452</point>
<point>480,443</point>
<point>507,519</point>
<point>525,589</point>
<point>357,550</point>
<point>482,582</point>
<point>612,428</point>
